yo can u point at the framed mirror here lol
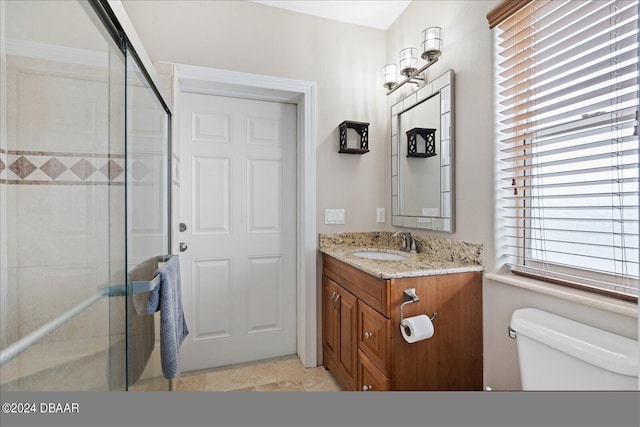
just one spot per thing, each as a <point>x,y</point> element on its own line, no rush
<point>422,164</point>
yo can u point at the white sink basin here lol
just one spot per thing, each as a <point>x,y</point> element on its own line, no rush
<point>378,254</point>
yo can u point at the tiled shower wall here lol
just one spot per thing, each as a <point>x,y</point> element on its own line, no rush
<point>83,191</point>
<point>4,280</point>
<point>63,169</point>
<point>62,178</point>
<point>64,186</point>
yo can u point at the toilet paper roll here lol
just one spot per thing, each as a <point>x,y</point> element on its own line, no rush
<point>416,328</point>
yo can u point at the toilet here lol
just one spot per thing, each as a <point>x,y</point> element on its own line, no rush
<point>556,353</point>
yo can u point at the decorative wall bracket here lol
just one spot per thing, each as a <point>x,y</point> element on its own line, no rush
<point>362,129</point>
<point>429,137</point>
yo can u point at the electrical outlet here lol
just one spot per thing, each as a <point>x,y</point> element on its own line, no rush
<point>380,215</point>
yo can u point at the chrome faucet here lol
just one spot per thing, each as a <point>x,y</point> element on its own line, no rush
<point>408,242</point>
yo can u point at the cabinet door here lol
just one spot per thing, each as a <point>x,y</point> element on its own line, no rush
<point>374,337</point>
<point>330,320</point>
<point>370,378</point>
<point>347,306</point>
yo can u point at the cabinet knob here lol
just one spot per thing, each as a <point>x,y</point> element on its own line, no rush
<point>368,335</point>
<point>367,387</point>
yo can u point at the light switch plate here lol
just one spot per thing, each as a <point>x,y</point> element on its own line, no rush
<point>334,216</point>
<point>380,215</point>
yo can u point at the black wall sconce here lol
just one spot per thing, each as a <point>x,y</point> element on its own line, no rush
<point>362,129</point>
<point>429,137</point>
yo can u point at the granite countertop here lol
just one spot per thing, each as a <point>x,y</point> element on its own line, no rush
<point>435,255</point>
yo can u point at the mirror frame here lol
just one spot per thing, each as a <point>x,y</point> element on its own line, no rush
<point>444,222</point>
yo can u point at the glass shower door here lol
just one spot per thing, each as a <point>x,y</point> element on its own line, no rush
<point>148,127</point>
<point>62,200</point>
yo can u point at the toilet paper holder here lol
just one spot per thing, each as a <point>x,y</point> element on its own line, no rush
<point>409,296</point>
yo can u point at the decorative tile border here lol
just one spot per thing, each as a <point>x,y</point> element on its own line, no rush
<point>58,168</point>
<point>3,166</point>
<point>42,168</point>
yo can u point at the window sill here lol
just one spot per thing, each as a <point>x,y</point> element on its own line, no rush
<point>574,295</point>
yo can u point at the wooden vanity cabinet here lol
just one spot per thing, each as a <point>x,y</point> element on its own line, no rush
<point>339,337</point>
<point>362,343</point>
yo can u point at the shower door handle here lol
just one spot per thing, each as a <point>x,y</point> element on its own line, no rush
<point>183,247</point>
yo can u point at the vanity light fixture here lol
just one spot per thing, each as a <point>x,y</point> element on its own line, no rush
<point>431,50</point>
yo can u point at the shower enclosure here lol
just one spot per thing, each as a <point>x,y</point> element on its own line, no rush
<point>84,198</point>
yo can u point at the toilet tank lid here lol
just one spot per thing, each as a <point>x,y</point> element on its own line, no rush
<point>601,348</point>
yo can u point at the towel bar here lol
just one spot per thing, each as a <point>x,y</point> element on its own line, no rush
<point>11,351</point>
<point>140,286</point>
<point>136,287</point>
<point>145,286</point>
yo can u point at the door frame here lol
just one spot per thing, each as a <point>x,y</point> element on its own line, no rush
<point>213,81</point>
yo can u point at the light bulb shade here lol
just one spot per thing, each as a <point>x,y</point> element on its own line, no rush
<point>431,43</point>
<point>408,61</point>
<point>390,75</point>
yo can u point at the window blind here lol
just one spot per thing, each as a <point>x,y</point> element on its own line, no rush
<point>568,142</point>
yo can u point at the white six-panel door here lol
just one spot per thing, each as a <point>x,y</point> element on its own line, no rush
<point>238,200</point>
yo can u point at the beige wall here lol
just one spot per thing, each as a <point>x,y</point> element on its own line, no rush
<point>467,50</point>
<point>346,61</point>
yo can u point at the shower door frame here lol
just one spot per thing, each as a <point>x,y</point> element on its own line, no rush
<point>116,19</point>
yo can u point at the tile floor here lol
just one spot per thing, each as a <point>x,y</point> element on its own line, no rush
<point>279,374</point>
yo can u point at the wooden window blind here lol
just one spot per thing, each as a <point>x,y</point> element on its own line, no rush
<point>567,73</point>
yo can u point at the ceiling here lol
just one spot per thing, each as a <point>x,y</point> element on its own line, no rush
<point>378,14</point>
